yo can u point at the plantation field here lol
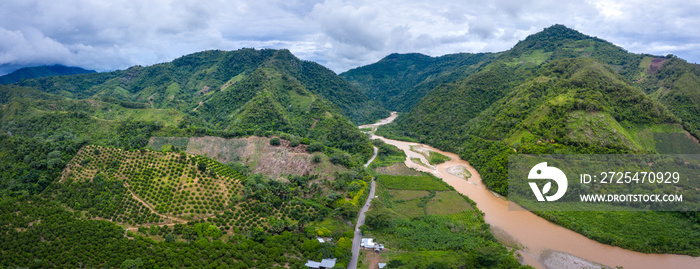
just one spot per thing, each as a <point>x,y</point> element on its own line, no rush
<point>409,209</point>
<point>424,223</point>
<point>143,187</point>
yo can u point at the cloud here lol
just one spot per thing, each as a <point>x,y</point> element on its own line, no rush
<point>341,34</point>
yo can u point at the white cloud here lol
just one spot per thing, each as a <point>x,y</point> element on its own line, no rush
<point>340,34</point>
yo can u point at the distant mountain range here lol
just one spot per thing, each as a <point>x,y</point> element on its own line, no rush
<point>40,72</point>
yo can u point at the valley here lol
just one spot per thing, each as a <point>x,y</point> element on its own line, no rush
<point>254,158</point>
<point>534,237</point>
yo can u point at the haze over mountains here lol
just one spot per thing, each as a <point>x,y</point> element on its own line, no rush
<point>40,72</point>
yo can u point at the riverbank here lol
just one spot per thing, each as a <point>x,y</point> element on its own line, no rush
<point>535,234</point>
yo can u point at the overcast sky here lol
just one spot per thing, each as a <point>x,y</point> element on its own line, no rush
<point>113,34</point>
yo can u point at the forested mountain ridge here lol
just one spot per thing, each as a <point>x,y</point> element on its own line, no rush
<point>69,163</point>
<point>561,92</point>
<point>398,81</point>
<point>670,79</point>
<point>40,72</point>
<point>187,80</point>
<point>271,92</point>
<point>553,86</point>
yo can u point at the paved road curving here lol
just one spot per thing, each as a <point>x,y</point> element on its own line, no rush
<point>356,240</point>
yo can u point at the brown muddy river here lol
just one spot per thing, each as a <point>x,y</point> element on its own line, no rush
<point>544,244</point>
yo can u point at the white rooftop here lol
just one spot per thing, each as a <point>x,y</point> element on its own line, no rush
<point>328,263</point>
<point>313,264</point>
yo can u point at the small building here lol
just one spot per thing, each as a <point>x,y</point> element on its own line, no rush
<point>313,264</point>
<point>320,240</point>
<point>381,265</point>
<point>328,263</point>
<point>324,264</point>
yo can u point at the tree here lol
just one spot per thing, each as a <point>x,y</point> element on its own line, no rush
<point>341,158</point>
<point>132,264</point>
<point>154,230</point>
<point>377,219</point>
<point>202,166</point>
<point>315,146</point>
<point>275,141</point>
<point>347,211</point>
<point>169,238</point>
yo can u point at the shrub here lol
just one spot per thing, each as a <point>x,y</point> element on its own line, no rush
<point>341,159</point>
<point>315,146</point>
<point>275,141</point>
<point>316,158</point>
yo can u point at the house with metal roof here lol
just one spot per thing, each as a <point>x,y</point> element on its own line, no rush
<point>324,264</point>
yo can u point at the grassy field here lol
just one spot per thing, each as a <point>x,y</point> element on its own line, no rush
<point>447,202</point>
<point>398,169</point>
<point>405,195</point>
<point>670,143</point>
<point>425,182</point>
<point>418,161</point>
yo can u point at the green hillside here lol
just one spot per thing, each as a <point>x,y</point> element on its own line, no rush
<point>186,81</point>
<point>40,72</point>
<point>561,92</point>
<point>558,86</point>
<point>398,81</point>
<point>75,174</point>
<point>31,120</point>
<point>674,83</point>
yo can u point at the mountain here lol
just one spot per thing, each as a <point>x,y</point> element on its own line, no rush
<point>398,81</point>
<point>76,174</point>
<point>578,94</point>
<point>562,92</point>
<point>674,83</point>
<point>271,93</point>
<point>40,72</point>
<point>191,79</point>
